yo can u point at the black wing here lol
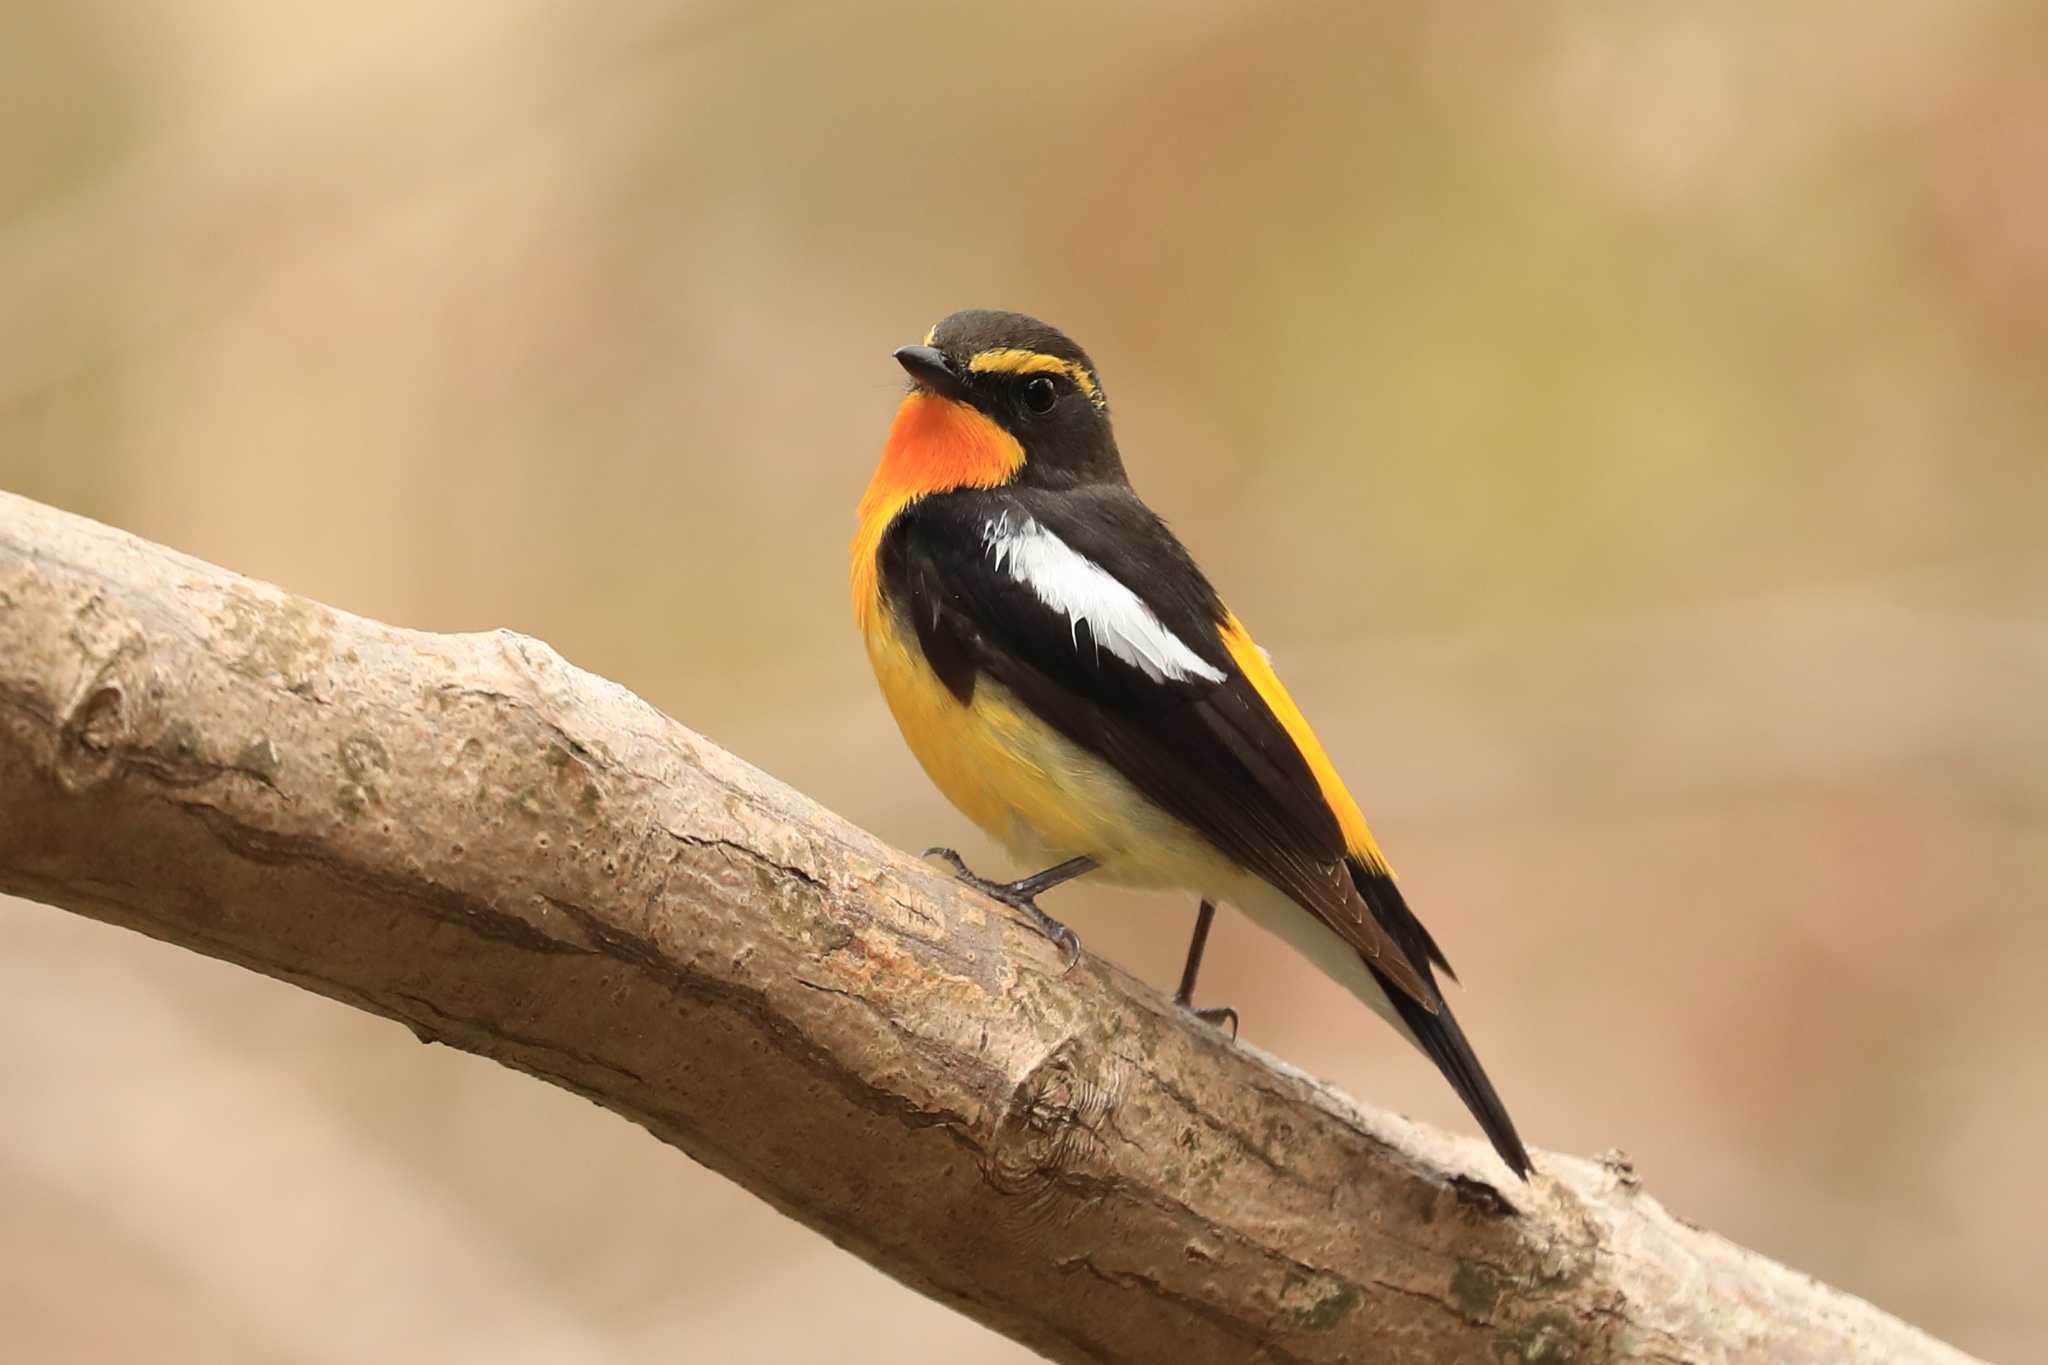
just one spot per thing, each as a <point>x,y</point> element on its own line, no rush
<point>1207,750</point>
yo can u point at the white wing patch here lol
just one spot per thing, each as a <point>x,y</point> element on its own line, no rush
<point>1082,590</point>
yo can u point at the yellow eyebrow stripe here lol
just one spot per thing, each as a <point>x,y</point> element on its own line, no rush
<point>1016,361</point>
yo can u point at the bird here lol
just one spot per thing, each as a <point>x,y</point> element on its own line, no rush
<point>1071,681</point>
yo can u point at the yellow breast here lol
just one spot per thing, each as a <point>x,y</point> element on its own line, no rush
<point>1027,785</point>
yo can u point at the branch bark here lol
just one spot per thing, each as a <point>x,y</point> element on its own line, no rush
<point>511,856</point>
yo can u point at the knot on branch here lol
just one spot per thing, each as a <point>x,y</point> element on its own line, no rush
<point>1046,1147</point>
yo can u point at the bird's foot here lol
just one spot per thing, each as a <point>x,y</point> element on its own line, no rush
<point>1018,895</point>
<point>1218,1015</point>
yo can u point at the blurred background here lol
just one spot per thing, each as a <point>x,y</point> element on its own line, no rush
<point>1625,424</point>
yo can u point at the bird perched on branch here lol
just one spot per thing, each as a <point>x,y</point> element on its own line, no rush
<point>1071,681</point>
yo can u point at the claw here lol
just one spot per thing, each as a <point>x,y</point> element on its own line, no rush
<point>959,864</point>
<point>1214,1014</point>
<point>1067,939</point>
<point>1022,895</point>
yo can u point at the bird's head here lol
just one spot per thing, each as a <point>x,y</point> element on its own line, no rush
<point>999,398</point>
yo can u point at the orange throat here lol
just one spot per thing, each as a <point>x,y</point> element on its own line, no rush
<point>935,445</point>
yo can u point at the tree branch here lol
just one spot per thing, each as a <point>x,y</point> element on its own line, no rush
<point>517,858</point>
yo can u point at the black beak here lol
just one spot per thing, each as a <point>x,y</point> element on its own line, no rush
<point>930,368</point>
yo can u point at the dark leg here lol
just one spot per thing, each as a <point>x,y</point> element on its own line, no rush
<point>1023,894</point>
<point>1184,997</point>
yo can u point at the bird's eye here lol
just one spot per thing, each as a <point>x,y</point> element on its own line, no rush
<point>1040,394</point>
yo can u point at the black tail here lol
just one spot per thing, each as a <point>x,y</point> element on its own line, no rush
<point>1439,1033</point>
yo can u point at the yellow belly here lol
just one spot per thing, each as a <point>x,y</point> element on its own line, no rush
<point>1036,792</point>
